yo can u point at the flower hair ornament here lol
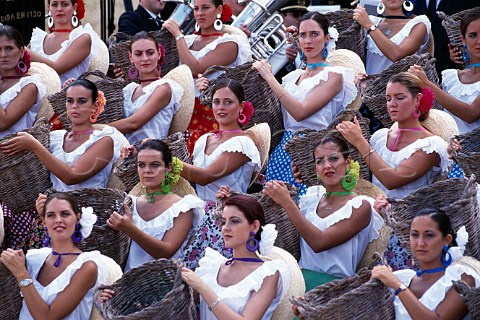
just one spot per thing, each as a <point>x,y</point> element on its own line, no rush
<point>461,238</point>
<point>268,236</point>
<point>426,103</point>
<point>226,13</point>
<point>331,45</point>
<point>101,101</point>
<point>177,168</point>
<point>163,56</point>
<point>87,221</point>
<point>80,9</point>
<point>246,114</point>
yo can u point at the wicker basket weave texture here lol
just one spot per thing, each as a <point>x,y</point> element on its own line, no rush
<point>127,170</point>
<point>288,237</point>
<point>119,46</point>
<point>469,156</point>
<point>112,243</point>
<point>23,175</point>
<point>300,147</point>
<point>112,89</point>
<point>452,26</point>
<point>456,197</point>
<point>258,92</point>
<point>355,297</point>
<point>9,295</point>
<point>374,86</point>
<point>153,290</point>
<point>470,296</point>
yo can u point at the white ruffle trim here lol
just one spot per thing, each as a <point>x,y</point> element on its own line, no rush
<point>164,222</point>
<point>428,144</point>
<point>451,83</point>
<point>12,92</point>
<point>401,35</point>
<point>37,257</point>
<point>436,293</point>
<point>209,266</point>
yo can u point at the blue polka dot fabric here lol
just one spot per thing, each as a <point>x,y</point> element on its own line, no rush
<point>456,172</point>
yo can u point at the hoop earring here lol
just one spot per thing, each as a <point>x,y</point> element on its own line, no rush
<point>197,27</point>
<point>348,181</point>
<point>50,20</point>
<point>325,51</point>
<point>77,235</point>
<point>46,237</point>
<point>255,246</point>
<point>446,257</point>
<point>416,113</point>
<point>218,24</point>
<point>380,8</point>
<point>408,6</point>
<point>132,72</point>
<point>166,187</point>
<point>94,116</point>
<point>242,118</point>
<point>21,67</point>
<point>74,19</point>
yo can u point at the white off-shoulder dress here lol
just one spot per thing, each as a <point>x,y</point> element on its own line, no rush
<point>464,92</point>
<point>38,38</point>
<point>99,180</point>
<point>236,296</point>
<point>158,126</point>
<point>158,226</point>
<point>35,260</point>
<point>342,260</point>
<point>11,93</point>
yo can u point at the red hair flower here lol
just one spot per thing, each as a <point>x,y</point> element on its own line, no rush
<point>26,58</point>
<point>226,13</point>
<point>426,103</point>
<point>163,57</point>
<point>80,9</point>
<point>248,111</point>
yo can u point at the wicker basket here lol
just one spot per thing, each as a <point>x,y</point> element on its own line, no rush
<point>374,86</point>
<point>153,290</point>
<point>127,170</point>
<point>113,90</point>
<point>258,92</point>
<point>355,297</point>
<point>119,46</point>
<point>9,295</point>
<point>452,26</point>
<point>112,243</point>
<point>23,175</point>
<point>470,296</point>
<point>457,197</point>
<point>288,237</point>
<point>300,147</point>
<point>468,158</point>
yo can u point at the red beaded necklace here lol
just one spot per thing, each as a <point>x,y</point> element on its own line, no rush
<point>62,30</point>
<point>10,77</point>
<point>218,34</point>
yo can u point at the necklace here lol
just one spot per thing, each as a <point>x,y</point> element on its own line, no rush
<point>395,17</point>
<point>473,65</point>
<point>337,194</point>
<point>10,77</point>
<point>229,262</point>
<point>148,80</point>
<point>218,133</point>
<point>389,28</point>
<point>217,34</point>
<point>63,30</point>
<point>312,66</point>
<point>428,271</point>
<point>394,145</point>
<point>151,198</point>
<point>59,259</point>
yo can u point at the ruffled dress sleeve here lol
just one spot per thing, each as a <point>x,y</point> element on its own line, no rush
<point>36,41</point>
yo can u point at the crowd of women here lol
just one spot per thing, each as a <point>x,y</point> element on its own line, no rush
<point>335,224</point>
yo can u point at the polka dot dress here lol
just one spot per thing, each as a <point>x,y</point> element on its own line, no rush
<point>456,172</point>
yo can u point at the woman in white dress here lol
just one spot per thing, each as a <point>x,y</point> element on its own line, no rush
<point>310,98</point>
<point>160,223</point>
<point>428,293</point>
<point>225,158</point>
<point>150,105</point>
<point>20,99</point>
<point>407,156</point>
<point>58,282</point>
<point>70,46</point>
<point>334,223</point>
<point>209,46</point>
<point>244,287</point>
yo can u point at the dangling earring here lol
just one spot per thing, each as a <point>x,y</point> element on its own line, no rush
<point>242,118</point>
<point>166,187</point>
<point>218,24</point>
<point>50,20</point>
<point>446,256</point>
<point>325,51</point>
<point>255,246</point>
<point>197,27</point>
<point>465,56</point>
<point>77,235</point>
<point>416,112</point>
<point>159,69</point>
<point>302,56</point>
<point>21,67</point>
<point>408,6</point>
<point>94,116</point>
<point>74,19</point>
<point>348,181</point>
<point>46,237</point>
<point>380,8</point>
<point>132,72</point>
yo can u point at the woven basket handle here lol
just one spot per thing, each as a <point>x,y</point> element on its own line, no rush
<point>213,69</point>
<point>118,37</point>
<point>96,73</point>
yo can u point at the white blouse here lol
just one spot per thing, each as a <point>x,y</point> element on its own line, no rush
<point>38,38</point>
<point>395,158</point>
<point>236,296</point>
<point>376,60</point>
<point>158,226</point>
<point>464,92</point>
<point>238,180</point>
<point>244,53</point>
<point>27,120</point>
<point>322,118</point>
<point>35,260</point>
<point>100,179</point>
<point>158,126</point>
<point>437,292</point>
<point>342,260</point>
